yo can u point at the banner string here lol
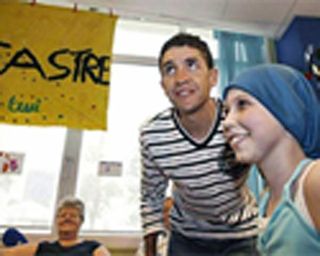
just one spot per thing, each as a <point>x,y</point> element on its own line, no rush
<point>75,7</point>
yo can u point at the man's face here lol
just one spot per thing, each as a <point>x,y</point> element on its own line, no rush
<point>186,79</point>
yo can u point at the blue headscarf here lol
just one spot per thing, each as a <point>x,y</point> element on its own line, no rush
<point>289,97</point>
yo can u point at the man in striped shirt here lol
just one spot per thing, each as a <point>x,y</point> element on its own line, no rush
<point>213,213</point>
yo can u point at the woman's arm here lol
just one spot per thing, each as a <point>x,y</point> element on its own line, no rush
<point>101,251</point>
<point>19,250</point>
<point>311,189</point>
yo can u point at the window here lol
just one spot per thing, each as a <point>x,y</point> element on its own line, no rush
<point>134,97</point>
<point>141,38</point>
<point>29,198</point>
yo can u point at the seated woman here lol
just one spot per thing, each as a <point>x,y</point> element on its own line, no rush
<point>273,121</point>
<point>69,218</point>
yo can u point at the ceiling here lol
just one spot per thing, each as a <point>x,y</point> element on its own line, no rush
<point>260,17</point>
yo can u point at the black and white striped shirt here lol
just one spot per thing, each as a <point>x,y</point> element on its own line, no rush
<point>210,196</point>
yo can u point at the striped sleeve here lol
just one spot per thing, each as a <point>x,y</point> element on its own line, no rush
<point>153,187</point>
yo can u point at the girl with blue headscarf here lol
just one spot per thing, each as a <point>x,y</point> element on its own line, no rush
<point>273,121</point>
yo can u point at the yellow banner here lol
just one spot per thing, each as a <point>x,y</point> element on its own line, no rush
<point>54,66</point>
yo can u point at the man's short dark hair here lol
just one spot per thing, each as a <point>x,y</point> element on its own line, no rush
<point>185,39</point>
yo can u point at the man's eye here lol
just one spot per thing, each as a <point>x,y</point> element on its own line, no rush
<point>168,70</point>
<point>192,64</point>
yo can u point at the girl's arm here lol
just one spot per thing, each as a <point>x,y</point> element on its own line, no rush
<point>311,189</point>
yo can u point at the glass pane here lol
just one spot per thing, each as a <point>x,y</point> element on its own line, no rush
<point>28,198</point>
<point>141,38</point>
<point>113,202</point>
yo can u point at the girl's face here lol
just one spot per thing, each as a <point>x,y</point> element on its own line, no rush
<point>251,130</point>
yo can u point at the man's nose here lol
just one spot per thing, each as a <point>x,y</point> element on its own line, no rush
<point>182,75</point>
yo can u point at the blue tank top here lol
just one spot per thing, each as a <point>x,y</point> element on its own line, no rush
<point>85,248</point>
<point>287,232</point>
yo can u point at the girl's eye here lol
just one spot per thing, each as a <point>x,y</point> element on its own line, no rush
<point>242,104</point>
<point>225,110</point>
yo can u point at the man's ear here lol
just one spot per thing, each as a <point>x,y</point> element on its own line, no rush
<point>213,77</point>
<point>163,87</point>
<point>161,83</point>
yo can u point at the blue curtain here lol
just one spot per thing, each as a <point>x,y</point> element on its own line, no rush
<point>237,52</point>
